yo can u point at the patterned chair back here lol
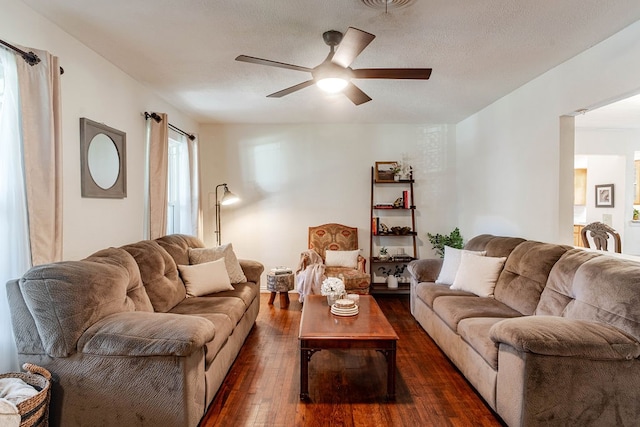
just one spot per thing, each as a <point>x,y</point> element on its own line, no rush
<point>336,237</point>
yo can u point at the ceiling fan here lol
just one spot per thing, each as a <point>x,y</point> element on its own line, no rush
<point>334,74</point>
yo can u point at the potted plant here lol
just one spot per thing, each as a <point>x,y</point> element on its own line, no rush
<point>384,254</point>
<point>439,241</point>
<point>392,274</point>
<point>396,168</point>
<point>636,215</point>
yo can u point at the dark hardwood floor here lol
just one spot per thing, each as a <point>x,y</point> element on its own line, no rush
<point>347,388</point>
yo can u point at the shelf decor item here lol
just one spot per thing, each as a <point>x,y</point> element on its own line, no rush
<point>385,171</point>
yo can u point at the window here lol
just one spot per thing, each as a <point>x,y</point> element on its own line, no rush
<point>15,257</point>
<point>181,187</point>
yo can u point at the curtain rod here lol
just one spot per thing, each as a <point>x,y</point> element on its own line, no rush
<point>29,57</point>
<point>158,119</point>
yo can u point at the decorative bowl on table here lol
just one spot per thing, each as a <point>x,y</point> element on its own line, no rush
<point>344,307</point>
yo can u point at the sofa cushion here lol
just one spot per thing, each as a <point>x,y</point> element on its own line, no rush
<point>247,292</point>
<point>495,246</point>
<point>224,328</point>
<point>233,307</point>
<point>558,336</point>
<point>557,293</point>
<point>525,275</point>
<point>607,290</point>
<point>205,278</point>
<point>135,290</point>
<point>66,298</point>
<point>429,291</point>
<point>200,255</point>
<point>159,274</point>
<point>452,309</point>
<point>475,331</point>
<point>478,274</point>
<point>147,334</point>
<point>178,245</point>
<point>451,263</point>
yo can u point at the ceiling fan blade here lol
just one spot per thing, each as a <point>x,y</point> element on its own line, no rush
<point>353,42</point>
<point>392,73</point>
<point>291,89</point>
<point>260,61</point>
<point>356,95</point>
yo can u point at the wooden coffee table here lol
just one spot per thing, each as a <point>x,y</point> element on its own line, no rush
<point>369,329</point>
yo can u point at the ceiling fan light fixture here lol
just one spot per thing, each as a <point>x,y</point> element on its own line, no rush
<point>332,84</point>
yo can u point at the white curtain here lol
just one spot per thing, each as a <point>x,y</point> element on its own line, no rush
<point>30,176</point>
<point>157,154</point>
<point>42,153</point>
<point>15,258</point>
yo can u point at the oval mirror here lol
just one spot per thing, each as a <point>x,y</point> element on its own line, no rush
<point>104,161</point>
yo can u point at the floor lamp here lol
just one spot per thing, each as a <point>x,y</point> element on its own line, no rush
<point>228,198</point>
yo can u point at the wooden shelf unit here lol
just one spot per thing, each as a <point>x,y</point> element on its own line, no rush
<point>391,239</point>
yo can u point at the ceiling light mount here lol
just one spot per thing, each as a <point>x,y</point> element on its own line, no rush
<point>387,4</point>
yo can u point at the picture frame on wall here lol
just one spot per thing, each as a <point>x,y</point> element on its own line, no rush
<point>604,196</point>
<point>384,171</point>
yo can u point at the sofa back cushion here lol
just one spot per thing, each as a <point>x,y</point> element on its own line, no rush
<point>66,298</point>
<point>525,274</point>
<point>607,290</point>
<point>159,274</point>
<point>135,291</point>
<point>557,294</point>
<point>495,246</point>
<point>178,245</point>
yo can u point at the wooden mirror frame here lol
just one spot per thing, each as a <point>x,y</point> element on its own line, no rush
<point>88,130</point>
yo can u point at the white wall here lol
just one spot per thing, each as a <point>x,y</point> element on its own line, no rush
<point>291,177</point>
<point>509,156</point>
<point>96,89</point>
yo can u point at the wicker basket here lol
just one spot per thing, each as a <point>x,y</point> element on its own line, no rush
<point>35,410</point>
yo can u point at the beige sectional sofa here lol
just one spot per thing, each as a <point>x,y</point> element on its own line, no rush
<point>126,347</point>
<point>557,344</point>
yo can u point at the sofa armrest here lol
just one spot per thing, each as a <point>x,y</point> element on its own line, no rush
<point>559,336</point>
<point>252,269</point>
<point>139,333</point>
<point>425,270</point>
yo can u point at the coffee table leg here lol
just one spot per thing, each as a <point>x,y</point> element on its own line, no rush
<point>305,354</point>
<point>391,372</point>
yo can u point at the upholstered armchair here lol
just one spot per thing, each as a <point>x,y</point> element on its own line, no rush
<point>341,241</point>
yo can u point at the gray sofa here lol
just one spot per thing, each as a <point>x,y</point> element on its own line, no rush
<point>123,343</point>
<point>557,345</point>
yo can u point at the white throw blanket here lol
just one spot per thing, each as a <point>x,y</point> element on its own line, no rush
<point>12,392</point>
<point>309,279</point>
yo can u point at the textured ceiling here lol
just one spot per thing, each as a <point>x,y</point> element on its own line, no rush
<point>479,51</point>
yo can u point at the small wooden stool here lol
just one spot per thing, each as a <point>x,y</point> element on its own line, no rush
<point>282,283</point>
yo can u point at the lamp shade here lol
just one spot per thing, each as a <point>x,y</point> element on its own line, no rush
<point>228,198</point>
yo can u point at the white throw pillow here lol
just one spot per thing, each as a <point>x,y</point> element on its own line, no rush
<point>201,255</point>
<point>205,278</point>
<point>478,274</point>
<point>341,258</point>
<point>451,263</point>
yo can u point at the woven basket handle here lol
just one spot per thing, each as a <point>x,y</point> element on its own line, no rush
<point>35,369</point>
